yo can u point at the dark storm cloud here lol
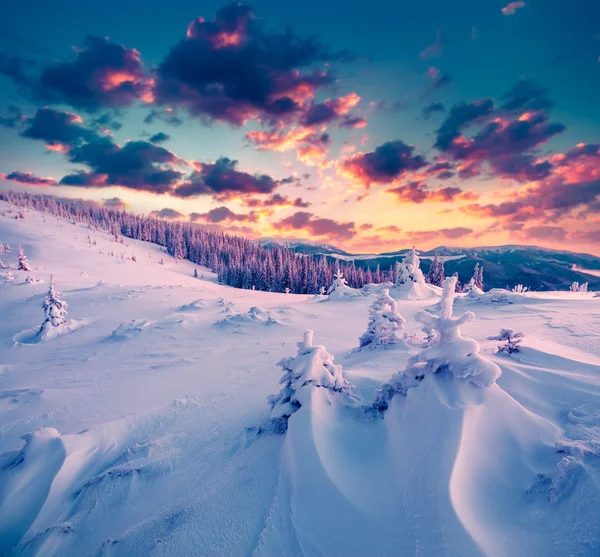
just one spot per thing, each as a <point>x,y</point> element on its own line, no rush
<point>230,69</point>
<point>385,164</point>
<point>103,74</point>
<point>222,180</point>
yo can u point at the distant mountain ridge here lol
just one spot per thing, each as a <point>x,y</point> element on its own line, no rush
<point>509,265</point>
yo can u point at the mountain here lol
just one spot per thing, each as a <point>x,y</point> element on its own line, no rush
<point>533,266</point>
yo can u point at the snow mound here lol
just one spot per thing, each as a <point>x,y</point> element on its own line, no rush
<point>48,332</point>
<point>129,330</point>
<point>339,289</point>
<point>196,305</point>
<point>312,367</point>
<point>254,315</point>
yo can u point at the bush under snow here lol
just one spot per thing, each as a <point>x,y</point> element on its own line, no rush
<point>384,323</point>
<point>577,287</point>
<point>448,352</point>
<point>312,367</point>
<point>512,340</point>
<point>339,289</point>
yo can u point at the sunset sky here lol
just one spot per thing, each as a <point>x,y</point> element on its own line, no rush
<point>370,125</point>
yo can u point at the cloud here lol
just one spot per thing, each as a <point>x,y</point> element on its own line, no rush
<point>159,137</point>
<point>316,226</point>
<point>332,110</point>
<point>28,178</point>
<point>448,233</point>
<point>544,232</point>
<point>137,165</point>
<point>115,203</point>
<point>419,192</point>
<point>221,179</point>
<point>16,68</point>
<point>386,164</point>
<point>165,115</point>
<point>434,50</point>
<point>460,116</point>
<point>432,108</point>
<point>311,147</point>
<point>166,213</point>
<point>232,70</point>
<point>57,128</point>
<point>276,200</point>
<point>572,186</point>
<point>103,74</point>
<point>224,214</point>
<point>527,95</point>
<point>512,7</point>
<point>12,118</point>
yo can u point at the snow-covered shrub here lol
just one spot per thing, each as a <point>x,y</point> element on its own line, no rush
<point>55,309</point>
<point>384,322</point>
<point>2,247</point>
<point>520,289</point>
<point>449,352</point>
<point>312,367</point>
<point>3,265</point>
<point>512,340</point>
<point>339,288</point>
<point>23,263</point>
<point>9,277</point>
<point>471,289</point>
<point>32,279</point>
<point>410,284</point>
<point>576,287</point>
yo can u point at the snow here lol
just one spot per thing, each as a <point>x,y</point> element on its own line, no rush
<point>138,432</point>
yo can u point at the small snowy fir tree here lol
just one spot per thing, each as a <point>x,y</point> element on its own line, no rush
<point>384,323</point>
<point>520,289</point>
<point>576,287</point>
<point>195,272</point>
<point>511,339</point>
<point>410,269</point>
<point>312,367</point>
<point>339,288</point>
<point>2,250</point>
<point>32,279</point>
<point>322,291</point>
<point>9,277</point>
<point>55,309</point>
<point>23,263</point>
<point>449,353</point>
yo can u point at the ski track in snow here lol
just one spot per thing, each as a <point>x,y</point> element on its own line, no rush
<point>133,434</point>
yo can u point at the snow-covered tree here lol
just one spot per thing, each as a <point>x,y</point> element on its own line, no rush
<point>384,322</point>
<point>3,265</point>
<point>520,289</point>
<point>23,263</point>
<point>410,284</point>
<point>312,367</point>
<point>477,278</point>
<point>449,352</point>
<point>55,309</point>
<point>339,288</point>
<point>9,277</point>
<point>2,250</point>
<point>577,287</point>
<point>511,339</point>
<point>32,279</point>
<point>195,272</point>
<point>436,272</point>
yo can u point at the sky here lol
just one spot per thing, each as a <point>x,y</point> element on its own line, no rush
<point>372,126</point>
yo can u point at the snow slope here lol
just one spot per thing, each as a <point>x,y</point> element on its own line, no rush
<point>136,433</point>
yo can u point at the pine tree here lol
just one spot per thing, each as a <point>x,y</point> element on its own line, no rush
<point>512,340</point>
<point>434,271</point>
<point>195,272</point>
<point>55,309</point>
<point>384,322</point>
<point>23,263</point>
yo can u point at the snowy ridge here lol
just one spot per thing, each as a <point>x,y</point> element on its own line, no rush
<point>139,432</point>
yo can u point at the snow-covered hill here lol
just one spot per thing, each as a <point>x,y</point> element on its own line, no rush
<point>140,432</point>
